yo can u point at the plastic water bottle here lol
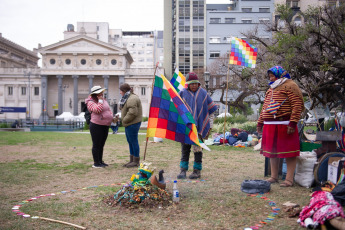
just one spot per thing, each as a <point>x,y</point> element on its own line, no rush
<point>176,193</point>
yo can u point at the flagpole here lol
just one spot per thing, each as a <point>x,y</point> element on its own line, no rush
<point>226,101</point>
<point>153,83</point>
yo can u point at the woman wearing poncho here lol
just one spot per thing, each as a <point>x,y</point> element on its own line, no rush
<point>202,108</point>
<point>278,119</point>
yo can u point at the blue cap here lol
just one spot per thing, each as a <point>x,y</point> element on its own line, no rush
<point>175,181</point>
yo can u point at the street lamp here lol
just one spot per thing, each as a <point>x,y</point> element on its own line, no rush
<point>29,99</point>
<point>207,79</point>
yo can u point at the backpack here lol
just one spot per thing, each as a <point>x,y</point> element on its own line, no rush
<point>87,115</point>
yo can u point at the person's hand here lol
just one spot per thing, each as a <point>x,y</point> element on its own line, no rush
<point>290,130</point>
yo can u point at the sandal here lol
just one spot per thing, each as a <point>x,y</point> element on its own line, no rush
<point>272,180</point>
<point>286,183</point>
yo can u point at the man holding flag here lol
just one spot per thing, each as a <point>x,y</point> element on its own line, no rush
<point>202,108</point>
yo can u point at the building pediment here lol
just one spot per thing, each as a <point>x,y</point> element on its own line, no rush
<point>83,44</point>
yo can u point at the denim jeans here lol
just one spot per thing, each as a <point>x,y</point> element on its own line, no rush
<point>132,138</point>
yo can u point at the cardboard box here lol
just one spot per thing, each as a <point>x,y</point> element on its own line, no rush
<point>335,164</point>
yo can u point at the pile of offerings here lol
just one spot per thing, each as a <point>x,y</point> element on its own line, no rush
<point>141,192</point>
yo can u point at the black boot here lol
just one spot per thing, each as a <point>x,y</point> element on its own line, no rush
<point>196,174</point>
<point>182,174</point>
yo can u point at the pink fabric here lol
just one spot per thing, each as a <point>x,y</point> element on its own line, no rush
<point>322,207</point>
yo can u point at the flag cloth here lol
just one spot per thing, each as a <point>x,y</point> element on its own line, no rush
<point>242,53</point>
<point>169,117</point>
<point>178,80</point>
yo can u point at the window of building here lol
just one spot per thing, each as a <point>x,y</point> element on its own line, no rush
<point>214,39</point>
<point>149,44</point>
<point>10,90</point>
<point>97,28</point>
<point>230,20</point>
<point>37,91</point>
<point>214,54</point>
<point>98,61</point>
<point>247,10</point>
<point>298,21</point>
<point>264,20</point>
<point>149,52</point>
<point>52,61</point>
<point>264,9</point>
<point>214,20</point>
<point>83,61</point>
<point>294,4</point>
<point>247,20</point>
<point>23,90</point>
<point>68,61</point>
<point>113,62</point>
<point>141,59</point>
<point>149,59</point>
<point>143,91</point>
<point>97,36</point>
<point>141,52</point>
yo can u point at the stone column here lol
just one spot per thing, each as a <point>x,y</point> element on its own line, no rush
<point>121,80</point>
<point>59,77</point>
<point>106,83</point>
<point>44,97</point>
<point>90,77</point>
<point>75,94</point>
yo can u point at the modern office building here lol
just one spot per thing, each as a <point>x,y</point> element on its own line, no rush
<point>233,20</point>
<point>184,36</point>
<point>20,84</point>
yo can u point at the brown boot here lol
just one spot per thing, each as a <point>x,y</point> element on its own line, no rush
<point>135,163</point>
<point>196,174</point>
<point>130,161</point>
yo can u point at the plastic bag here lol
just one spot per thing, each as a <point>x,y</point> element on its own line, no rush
<point>304,174</point>
<point>255,186</point>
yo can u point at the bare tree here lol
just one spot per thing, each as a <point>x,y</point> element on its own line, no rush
<point>312,52</point>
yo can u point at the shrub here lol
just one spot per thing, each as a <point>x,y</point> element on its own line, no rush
<point>145,119</point>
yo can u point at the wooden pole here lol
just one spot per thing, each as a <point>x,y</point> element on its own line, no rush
<point>62,222</point>
<point>226,102</point>
<point>153,83</point>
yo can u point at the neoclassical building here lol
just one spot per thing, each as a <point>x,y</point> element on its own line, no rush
<point>19,80</point>
<point>71,67</point>
<point>88,57</point>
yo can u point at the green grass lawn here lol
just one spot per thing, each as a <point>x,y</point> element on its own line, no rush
<point>40,163</point>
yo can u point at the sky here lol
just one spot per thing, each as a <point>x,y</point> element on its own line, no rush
<point>30,22</point>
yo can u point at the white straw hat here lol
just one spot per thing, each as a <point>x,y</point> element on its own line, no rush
<point>97,90</point>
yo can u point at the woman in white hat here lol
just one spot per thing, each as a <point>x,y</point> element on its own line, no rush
<point>101,118</point>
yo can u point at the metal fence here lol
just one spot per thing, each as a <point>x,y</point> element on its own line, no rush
<point>48,125</point>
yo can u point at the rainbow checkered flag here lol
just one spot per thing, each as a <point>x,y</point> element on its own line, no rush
<point>242,53</point>
<point>169,117</point>
<point>178,80</point>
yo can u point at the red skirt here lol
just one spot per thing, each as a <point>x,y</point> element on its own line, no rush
<point>276,143</point>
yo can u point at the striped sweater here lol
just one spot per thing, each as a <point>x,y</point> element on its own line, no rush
<point>100,112</point>
<point>290,110</point>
